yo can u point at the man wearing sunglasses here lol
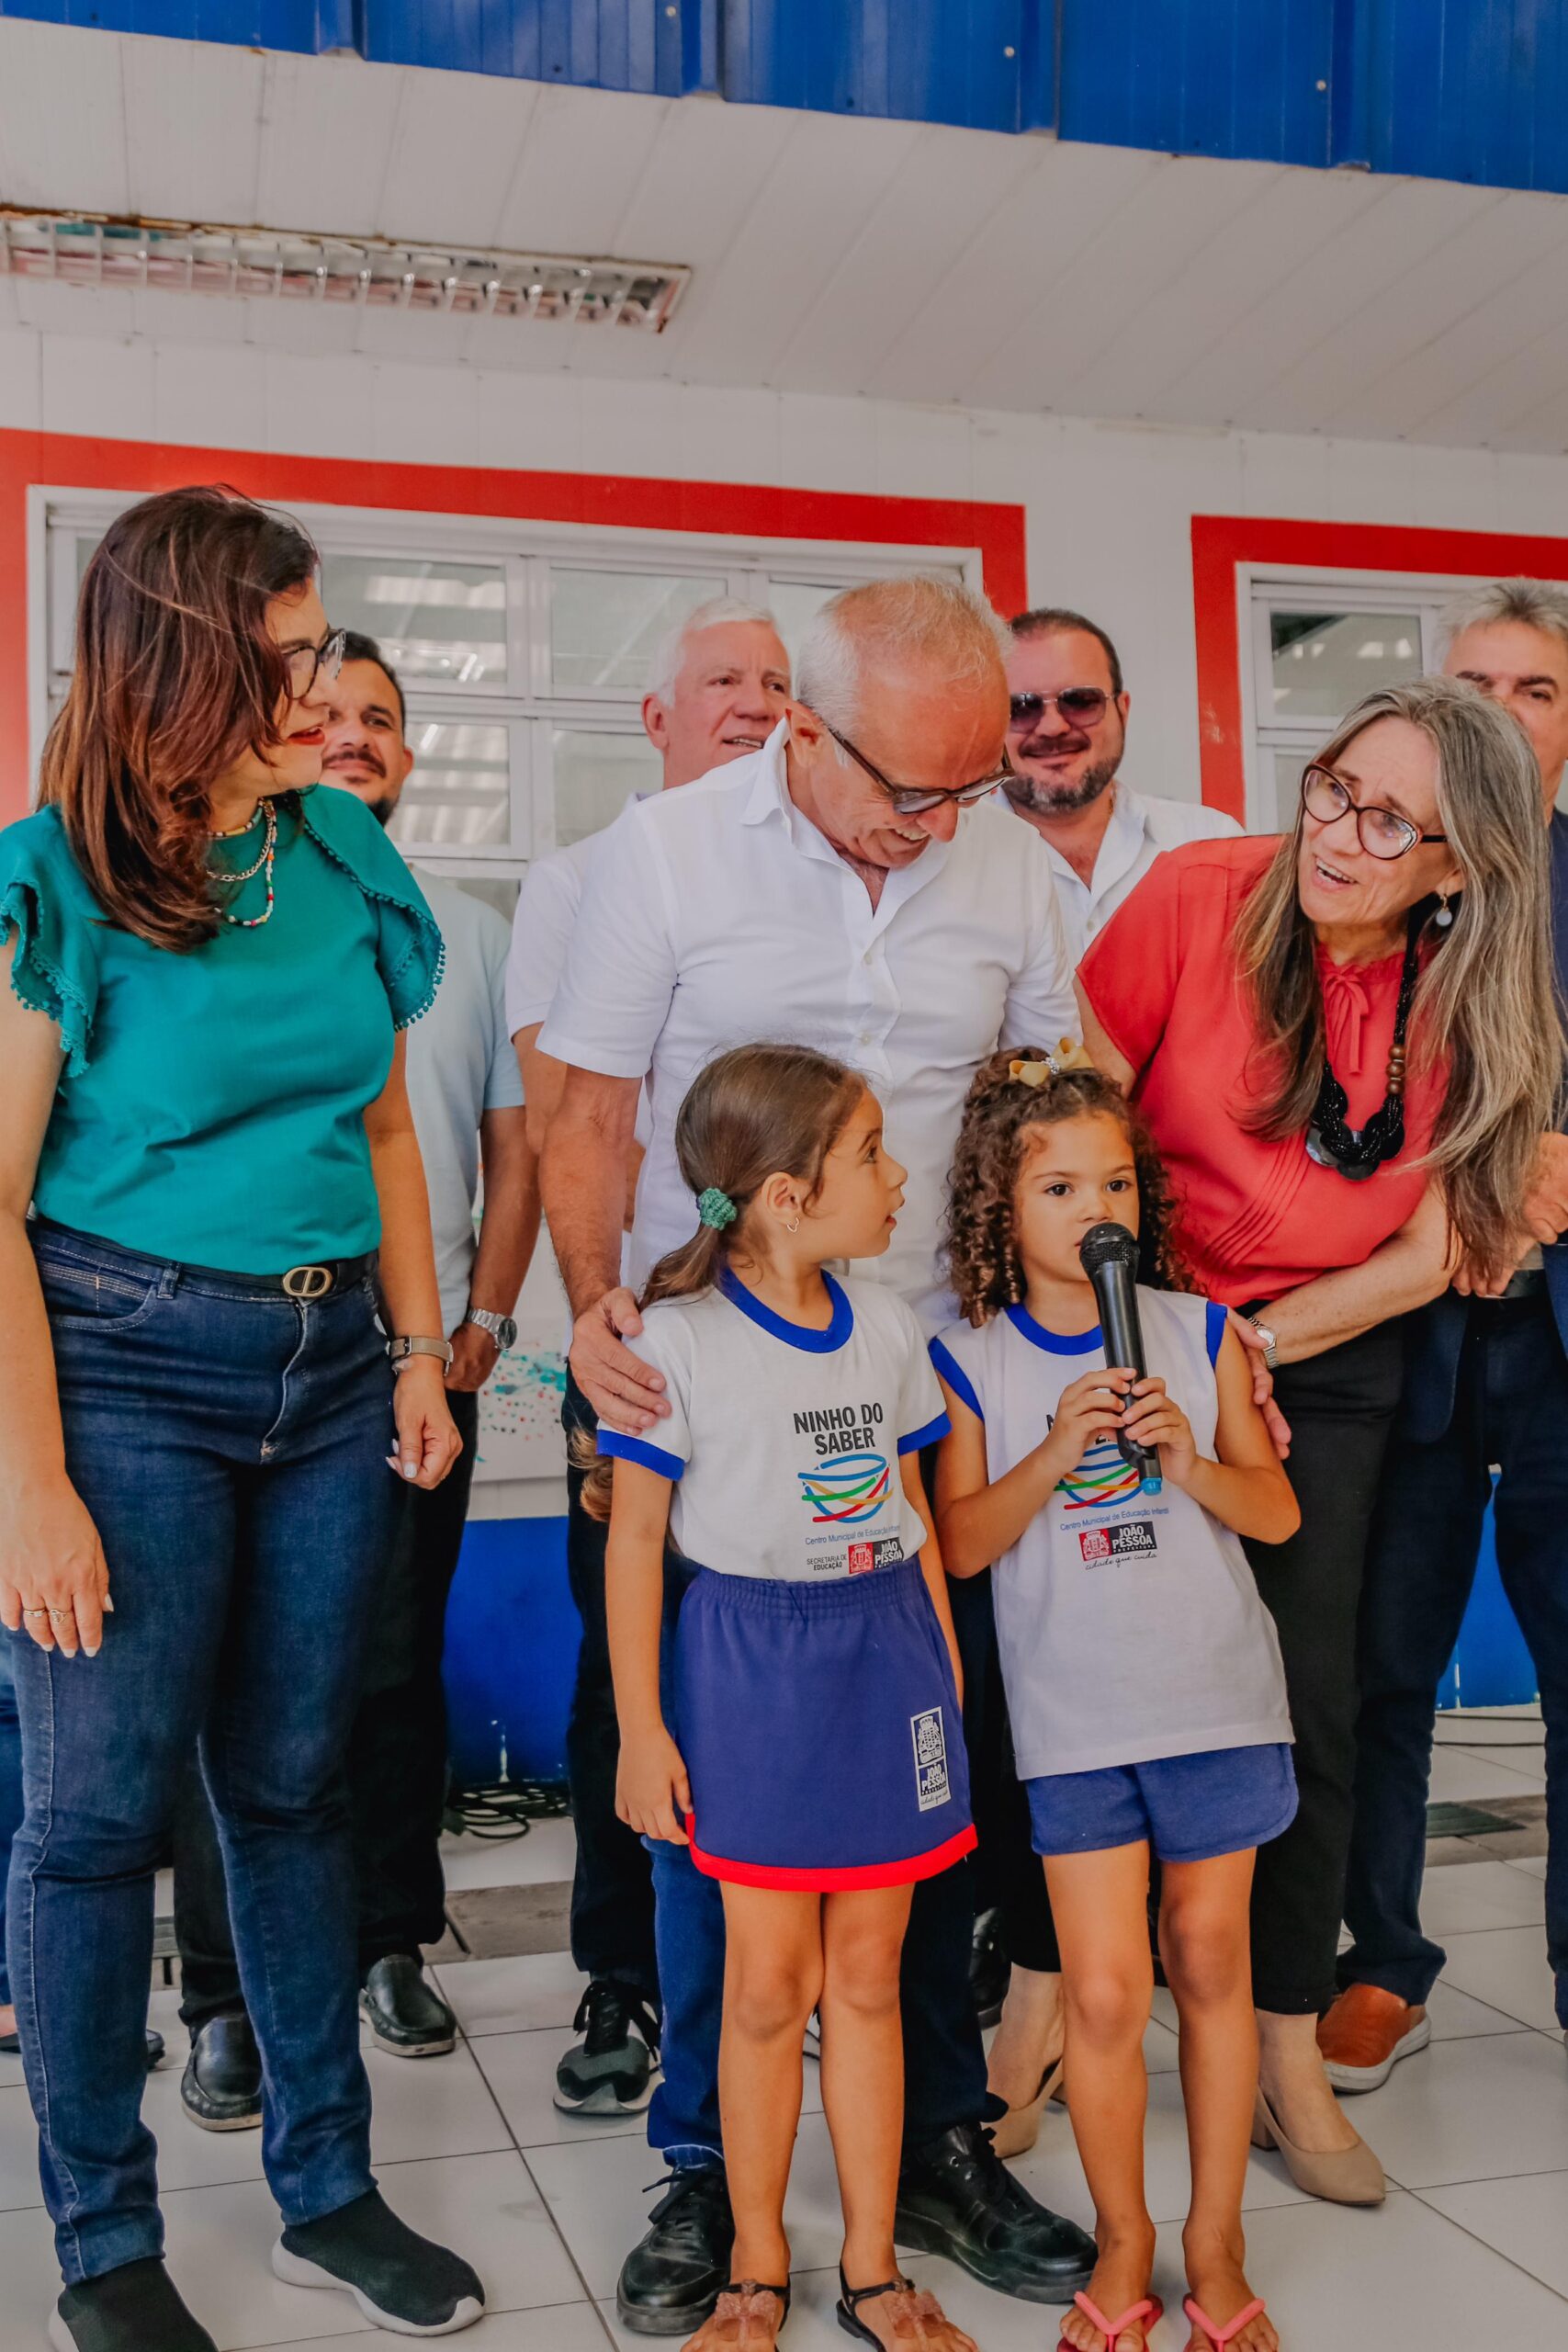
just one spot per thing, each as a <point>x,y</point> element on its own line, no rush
<point>1066,727</point>
<point>1485,1388</point>
<point>845,885</point>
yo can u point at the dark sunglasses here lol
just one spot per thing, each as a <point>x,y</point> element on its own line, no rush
<point>909,800</point>
<point>1383,833</point>
<point>1080,705</point>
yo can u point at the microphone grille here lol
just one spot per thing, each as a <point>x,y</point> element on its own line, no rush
<point>1106,1244</point>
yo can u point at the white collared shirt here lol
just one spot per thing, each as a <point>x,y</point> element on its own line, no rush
<point>718,914</point>
<point>1139,828</point>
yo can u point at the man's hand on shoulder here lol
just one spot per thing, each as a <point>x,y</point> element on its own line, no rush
<point>621,1388</point>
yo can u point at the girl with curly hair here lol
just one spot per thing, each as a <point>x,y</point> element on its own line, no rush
<point>1142,1671</point>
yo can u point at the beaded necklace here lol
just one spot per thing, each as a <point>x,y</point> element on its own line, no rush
<point>265,861</point>
<point>1359,1152</point>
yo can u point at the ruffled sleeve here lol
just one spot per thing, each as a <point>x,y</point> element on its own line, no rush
<point>410,953</point>
<point>47,910</point>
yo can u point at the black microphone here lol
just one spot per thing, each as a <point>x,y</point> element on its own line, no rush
<point>1109,1255</point>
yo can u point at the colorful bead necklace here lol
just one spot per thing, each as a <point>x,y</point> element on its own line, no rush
<point>265,862</point>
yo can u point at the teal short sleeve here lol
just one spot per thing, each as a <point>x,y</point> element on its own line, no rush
<point>410,953</point>
<point>45,910</point>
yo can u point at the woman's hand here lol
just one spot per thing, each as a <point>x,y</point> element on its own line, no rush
<point>653,1795</point>
<point>54,1580</point>
<point>1274,1420</point>
<point>1156,1419</point>
<point>1089,1408</point>
<point>427,1442</point>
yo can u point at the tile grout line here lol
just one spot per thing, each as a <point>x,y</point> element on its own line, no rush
<point>1474,2236</point>
<point>549,2209</point>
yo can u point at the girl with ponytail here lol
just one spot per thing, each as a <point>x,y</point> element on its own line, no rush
<point>812,1759</point>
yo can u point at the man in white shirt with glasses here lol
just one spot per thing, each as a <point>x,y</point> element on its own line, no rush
<point>1066,731</point>
<point>853,885</point>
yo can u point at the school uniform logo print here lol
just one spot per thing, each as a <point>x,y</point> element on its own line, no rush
<point>1101,1478</point>
<point>848,1488</point>
<point>931,1759</point>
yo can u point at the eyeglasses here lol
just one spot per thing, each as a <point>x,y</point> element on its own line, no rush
<point>909,800</point>
<point>1381,831</point>
<point>304,663</point>
<point>1080,705</point>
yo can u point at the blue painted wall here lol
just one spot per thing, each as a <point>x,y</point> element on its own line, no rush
<point>1472,90</point>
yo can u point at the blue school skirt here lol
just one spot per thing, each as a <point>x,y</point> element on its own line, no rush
<point>820,1725</point>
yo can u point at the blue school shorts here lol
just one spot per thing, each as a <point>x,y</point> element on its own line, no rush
<point>1190,1808</point>
<point>820,1731</point>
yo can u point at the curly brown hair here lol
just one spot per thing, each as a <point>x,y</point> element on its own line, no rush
<point>998,1114</point>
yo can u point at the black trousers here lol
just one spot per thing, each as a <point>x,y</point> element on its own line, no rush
<point>1340,1405</point>
<point>395,1763</point>
<point>611,1890</point>
<point>1006,1873</point>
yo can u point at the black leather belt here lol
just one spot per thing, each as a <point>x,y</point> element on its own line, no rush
<point>309,1283</point>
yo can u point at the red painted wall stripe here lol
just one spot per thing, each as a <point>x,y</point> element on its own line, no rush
<point>1221,542</point>
<point>634,502</point>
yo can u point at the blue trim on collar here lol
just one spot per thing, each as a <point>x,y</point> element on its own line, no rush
<point>622,1448</point>
<point>778,1326</point>
<point>1054,1343</point>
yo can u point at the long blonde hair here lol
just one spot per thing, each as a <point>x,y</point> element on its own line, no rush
<point>755,1112</point>
<point>1486,1002</point>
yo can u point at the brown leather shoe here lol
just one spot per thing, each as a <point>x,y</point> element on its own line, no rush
<point>1365,2035</point>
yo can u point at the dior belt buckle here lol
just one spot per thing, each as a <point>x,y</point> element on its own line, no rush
<point>309,1281</point>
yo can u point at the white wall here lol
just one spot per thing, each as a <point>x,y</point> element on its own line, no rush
<point>1108,504</point>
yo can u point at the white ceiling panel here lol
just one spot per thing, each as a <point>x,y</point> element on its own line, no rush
<point>193,123</point>
<point>327,144</point>
<point>61,118</point>
<point>946,189</point>
<point>919,263</point>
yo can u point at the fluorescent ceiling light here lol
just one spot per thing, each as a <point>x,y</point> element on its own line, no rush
<point>180,257</point>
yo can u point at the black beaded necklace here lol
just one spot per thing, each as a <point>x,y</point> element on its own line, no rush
<point>1357,1153</point>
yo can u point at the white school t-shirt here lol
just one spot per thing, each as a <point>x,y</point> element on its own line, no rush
<point>1128,1624</point>
<point>783,1444</point>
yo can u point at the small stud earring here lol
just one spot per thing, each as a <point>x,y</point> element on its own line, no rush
<point>1445,913</point>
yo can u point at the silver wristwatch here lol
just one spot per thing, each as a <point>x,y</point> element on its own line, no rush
<point>502,1329</point>
<point>402,1351</point>
<point>1270,1343</point>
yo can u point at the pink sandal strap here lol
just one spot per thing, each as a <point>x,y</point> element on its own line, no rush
<point>1144,2314</point>
<point>1220,2336</point>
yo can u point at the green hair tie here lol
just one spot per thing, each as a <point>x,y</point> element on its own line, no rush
<point>716,1209</point>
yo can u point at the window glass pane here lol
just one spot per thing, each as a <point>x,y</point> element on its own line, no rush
<point>1288,767</point>
<point>607,627</point>
<point>497,890</point>
<point>596,773</point>
<point>795,605</point>
<point>459,794</point>
<point>1325,661</point>
<point>445,621</point>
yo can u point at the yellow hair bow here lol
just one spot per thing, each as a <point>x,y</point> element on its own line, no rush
<point>1069,1055</point>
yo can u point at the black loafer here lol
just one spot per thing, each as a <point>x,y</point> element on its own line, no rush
<point>613,2070</point>
<point>957,2197</point>
<point>673,2276</point>
<point>221,2090</point>
<point>399,2280</point>
<point>404,2012</point>
<point>134,2309</point>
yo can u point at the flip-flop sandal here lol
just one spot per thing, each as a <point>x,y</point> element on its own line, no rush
<point>918,2303</point>
<point>756,2330</point>
<point>1220,2336</point>
<point>1146,2315</point>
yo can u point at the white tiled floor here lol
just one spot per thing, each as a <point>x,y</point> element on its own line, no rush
<point>1471,2249</point>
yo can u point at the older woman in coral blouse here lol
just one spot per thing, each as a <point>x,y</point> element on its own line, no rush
<point>1345,1042</point>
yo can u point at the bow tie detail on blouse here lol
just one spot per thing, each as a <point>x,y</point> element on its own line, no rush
<point>1352,994</point>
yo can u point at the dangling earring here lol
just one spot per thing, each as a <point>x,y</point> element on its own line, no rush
<point>1445,913</point>
<point>792,1226</point>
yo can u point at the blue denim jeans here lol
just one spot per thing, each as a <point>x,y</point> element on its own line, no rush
<point>229,1444</point>
<point>10,1792</point>
<point>1510,1408</point>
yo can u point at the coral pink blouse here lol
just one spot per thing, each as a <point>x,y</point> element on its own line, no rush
<point>1256,1217</point>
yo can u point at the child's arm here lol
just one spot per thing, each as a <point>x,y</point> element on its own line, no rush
<point>653,1795</point>
<point>1246,1488</point>
<point>930,1562</point>
<point>977,1523</point>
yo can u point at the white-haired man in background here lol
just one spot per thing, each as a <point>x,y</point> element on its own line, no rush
<point>846,884</point>
<point>719,686</point>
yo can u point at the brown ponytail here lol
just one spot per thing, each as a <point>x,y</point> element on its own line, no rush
<point>755,1112</point>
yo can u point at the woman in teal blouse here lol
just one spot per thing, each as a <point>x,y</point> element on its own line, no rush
<point>210,964</point>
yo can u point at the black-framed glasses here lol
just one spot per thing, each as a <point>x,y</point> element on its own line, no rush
<point>305,663</point>
<point>1080,705</point>
<point>1382,833</point>
<point>911,800</point>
